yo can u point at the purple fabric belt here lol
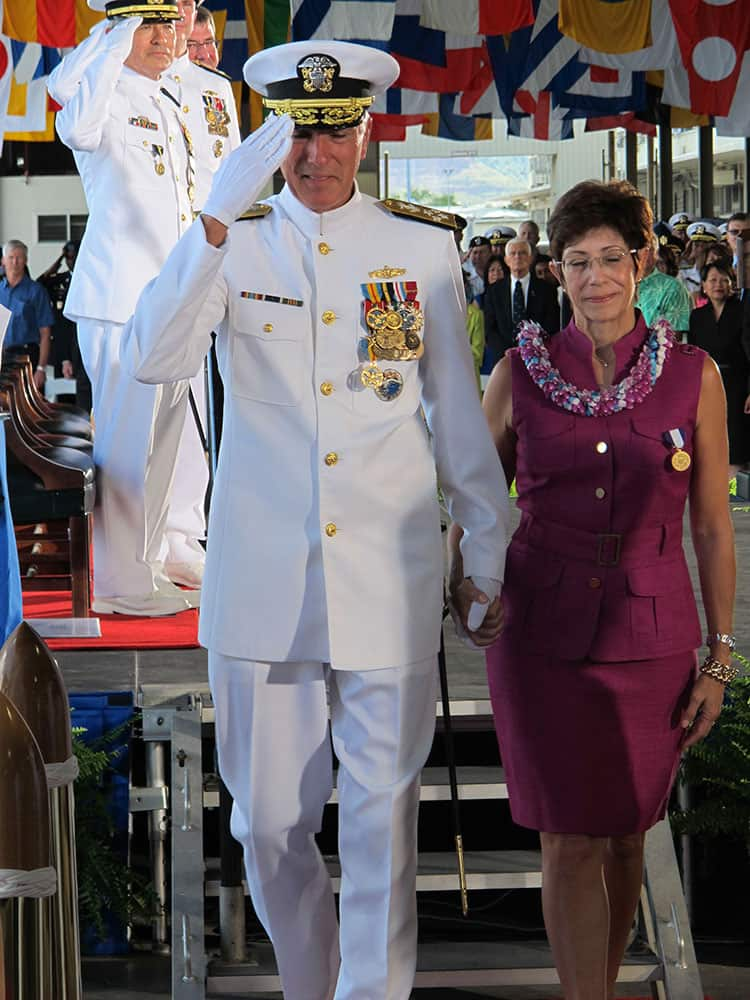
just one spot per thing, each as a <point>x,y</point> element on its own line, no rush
<point>605,549</point>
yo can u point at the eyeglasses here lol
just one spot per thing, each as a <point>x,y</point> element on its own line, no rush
<point>210,43</point>
<point>577,267</point>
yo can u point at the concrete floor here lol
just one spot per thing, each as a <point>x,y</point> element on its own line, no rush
<point>147,977</point>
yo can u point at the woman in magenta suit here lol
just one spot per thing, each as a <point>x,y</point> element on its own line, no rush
<point>608,428</point>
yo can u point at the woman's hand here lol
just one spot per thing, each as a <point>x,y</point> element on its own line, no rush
<point>463,595</point>
<point>702,710</point>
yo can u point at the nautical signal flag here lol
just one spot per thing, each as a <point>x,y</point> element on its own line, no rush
<point>713,38</point>
<point>477,17</point>
<point>607,25</point>
<point>57,23</point>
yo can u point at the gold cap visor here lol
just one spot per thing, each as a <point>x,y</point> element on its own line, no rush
<point>342,112</point>
<point>153,11</point>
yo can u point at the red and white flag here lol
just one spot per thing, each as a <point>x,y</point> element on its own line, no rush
<point>477,17</point>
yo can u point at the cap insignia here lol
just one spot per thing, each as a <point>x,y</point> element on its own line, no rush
<point>318,73</point>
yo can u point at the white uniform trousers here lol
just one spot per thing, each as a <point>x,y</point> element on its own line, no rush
<point>275,758</point>
<point>186,518</point>
<point>137,431</point>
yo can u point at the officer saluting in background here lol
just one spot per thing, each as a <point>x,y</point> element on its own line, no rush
<point>341,341</point>
<point>136,159</point>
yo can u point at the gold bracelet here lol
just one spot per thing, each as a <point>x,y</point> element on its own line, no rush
<point>725,673</point>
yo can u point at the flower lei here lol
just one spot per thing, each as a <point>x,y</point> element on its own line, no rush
<point>631,391</point>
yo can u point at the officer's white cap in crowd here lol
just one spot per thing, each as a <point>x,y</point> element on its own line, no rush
<point>703,231</point>
<point>149,10</point>
<point>679,221</point>
<point>500,235</point>
<point>321,84</point>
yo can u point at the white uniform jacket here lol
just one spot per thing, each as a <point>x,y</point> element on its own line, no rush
<point>207,104</point>
<point>324,537</point>
<point>133,159</point>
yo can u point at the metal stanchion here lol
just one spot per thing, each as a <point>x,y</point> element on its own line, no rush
<point>26,874</point>
<point>30,677</point>
<point>231,891</point>
<point>156,777</point>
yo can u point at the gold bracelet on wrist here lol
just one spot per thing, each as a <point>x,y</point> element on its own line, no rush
<point>725,673</point>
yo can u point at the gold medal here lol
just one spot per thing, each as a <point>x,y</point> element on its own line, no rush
<point>680,460</point>
<point>218,148</point>
<point>371,377</point>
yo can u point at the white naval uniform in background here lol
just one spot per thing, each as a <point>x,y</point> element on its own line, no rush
<point>133,161</point>
<point>325,559</point>
<point>199,92</point>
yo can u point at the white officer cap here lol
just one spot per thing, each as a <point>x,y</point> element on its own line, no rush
<point>500,235</point>
<point>149,10</point>
<point>679,221</point>
<point>321,84</point>
<point>703,232</point>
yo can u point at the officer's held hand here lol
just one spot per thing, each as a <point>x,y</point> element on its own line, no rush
<point>246,171</point>
<point>477,611</point>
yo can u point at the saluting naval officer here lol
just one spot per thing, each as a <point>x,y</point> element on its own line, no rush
<point>349,382</point>
<point>136,158</point>
<point>205,98</point>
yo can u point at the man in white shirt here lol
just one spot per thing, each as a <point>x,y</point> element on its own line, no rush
<point>324,568</point>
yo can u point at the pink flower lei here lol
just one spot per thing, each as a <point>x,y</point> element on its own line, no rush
<point>631,391</point>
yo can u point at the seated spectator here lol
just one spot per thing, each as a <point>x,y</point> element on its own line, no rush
<point>717,328</point>
<point>29,330</point>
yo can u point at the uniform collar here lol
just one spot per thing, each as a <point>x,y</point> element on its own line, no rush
<point>138,84</point>
<point>316,224</point>
<point>180,66</point>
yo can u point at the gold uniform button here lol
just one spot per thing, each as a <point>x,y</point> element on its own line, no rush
<point>185,109</point>
<point>328,317</point>
<point>145,143</point>
<point>331,529</point>
<point>326,388</point>
<point>183,217</point>
<point>600,493</point>
<point>176,78</point>
<point>595,583</point>
<point>602,447</point>
<point>324,248</point>
<point>331,458</point>
<point>267,327</point>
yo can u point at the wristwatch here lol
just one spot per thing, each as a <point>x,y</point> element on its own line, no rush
<point>723,638</point>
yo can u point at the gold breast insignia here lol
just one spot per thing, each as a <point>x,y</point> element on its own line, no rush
<point>387,272</point>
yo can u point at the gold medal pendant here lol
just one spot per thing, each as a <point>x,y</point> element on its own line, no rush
<point>371,377</point>
<point>681,461</point>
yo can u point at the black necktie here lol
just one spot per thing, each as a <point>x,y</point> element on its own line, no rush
<point>519,304</point>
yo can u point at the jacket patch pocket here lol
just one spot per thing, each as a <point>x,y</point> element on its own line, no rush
<point>548,439</point>
<point>658,597</point>
<point>268,352</point>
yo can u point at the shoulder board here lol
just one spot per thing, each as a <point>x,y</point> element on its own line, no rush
<point>216,72</point>
<point>422,213</point>
<point>257,211</point>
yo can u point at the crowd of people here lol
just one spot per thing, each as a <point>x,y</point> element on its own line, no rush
<point>692,277</point>
<point>351,407</point>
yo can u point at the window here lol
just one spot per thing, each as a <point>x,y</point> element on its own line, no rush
<point>52,228</point>
<point>60,228</point>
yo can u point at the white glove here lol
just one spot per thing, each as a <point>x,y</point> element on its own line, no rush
<point>119,38</point>
<point>478,611</point>
<point>245,172</point>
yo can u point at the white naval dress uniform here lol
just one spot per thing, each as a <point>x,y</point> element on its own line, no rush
<point>207,104</point>
<point>134,165</point>
<point>325,559</point>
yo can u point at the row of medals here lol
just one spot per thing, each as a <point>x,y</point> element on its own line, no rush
<point>392,335</point>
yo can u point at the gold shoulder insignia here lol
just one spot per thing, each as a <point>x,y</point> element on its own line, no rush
<point>422,213</point>
<point>210,69</point>
<point>257,211</point>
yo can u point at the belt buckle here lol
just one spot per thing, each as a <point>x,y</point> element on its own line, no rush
<point>604,542</point>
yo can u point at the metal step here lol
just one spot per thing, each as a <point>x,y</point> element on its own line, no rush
<point>437,872</point>
<point>473,783</point>
<point>440,964</point>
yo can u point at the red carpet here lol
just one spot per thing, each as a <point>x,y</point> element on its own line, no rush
<point>118,631</point>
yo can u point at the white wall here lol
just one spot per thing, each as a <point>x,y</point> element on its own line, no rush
<point>22,200</point>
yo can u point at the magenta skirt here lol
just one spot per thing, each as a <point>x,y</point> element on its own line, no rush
<point>588,748</point>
